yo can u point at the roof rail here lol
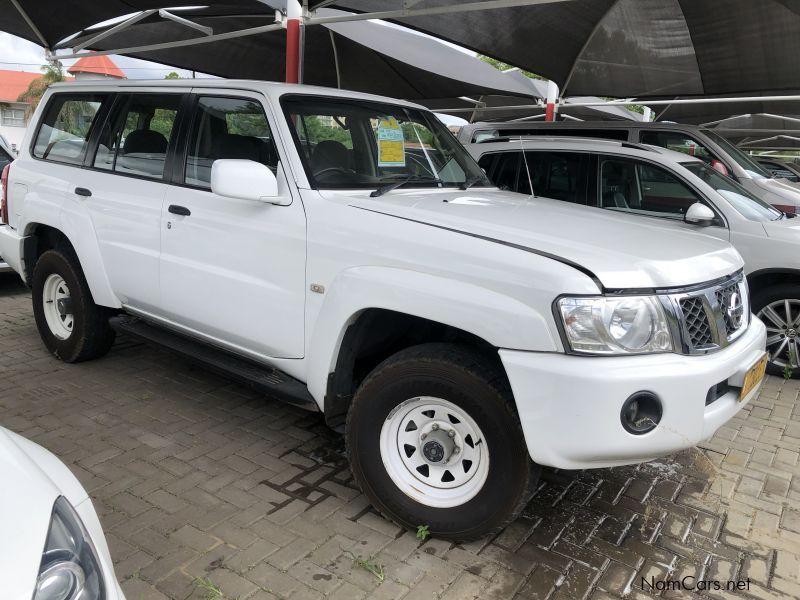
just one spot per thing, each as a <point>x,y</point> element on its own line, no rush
<point>562,138</point>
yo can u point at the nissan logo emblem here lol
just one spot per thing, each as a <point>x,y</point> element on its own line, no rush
<point>735,310</point>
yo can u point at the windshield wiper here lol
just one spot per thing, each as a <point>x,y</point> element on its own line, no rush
<point>401,182</point>
<point>471,181</point>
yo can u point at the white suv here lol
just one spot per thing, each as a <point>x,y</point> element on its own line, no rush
<point>676,189</point>
<point>344,251</point>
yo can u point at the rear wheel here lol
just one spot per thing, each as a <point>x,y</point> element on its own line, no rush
<point>433,439</point>
<point>71,325</point>
<point>779,308</point>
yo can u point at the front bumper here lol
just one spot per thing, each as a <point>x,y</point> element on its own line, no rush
<point>570,406</point>
<point>10,249</point>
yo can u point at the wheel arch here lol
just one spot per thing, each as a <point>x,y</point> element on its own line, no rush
<point>40,237</point>
<point>766,278</point>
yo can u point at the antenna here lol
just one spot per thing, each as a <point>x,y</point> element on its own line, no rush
<point>527,168</point>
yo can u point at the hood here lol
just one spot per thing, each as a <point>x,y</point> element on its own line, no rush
<point>26,505</point>
<point>622,251</point>
<point>778,192</point>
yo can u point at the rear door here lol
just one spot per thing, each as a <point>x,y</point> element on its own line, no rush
<point>124,187</point>
<point>233,270</point>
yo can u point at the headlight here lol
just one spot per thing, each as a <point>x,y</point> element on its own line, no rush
<point>607,325</point>
<point>70,569</point>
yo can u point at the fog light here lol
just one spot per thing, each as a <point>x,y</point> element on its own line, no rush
<point>641,413</point>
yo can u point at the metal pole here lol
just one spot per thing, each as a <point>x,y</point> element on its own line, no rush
<point>294,13</point>
<point>552,102</point>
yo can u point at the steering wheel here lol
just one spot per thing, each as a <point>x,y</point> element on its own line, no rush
<point>332,169</point>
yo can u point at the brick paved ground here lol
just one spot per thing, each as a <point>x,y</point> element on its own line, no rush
<point>195,477</point>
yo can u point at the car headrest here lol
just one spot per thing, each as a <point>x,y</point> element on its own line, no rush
<point>230,145</point>
<point>330,153</point>
<point>145,141</point>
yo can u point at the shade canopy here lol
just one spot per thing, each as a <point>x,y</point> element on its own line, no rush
<point>362,56</point>
<point>711,112</point>
<point>630,48</point>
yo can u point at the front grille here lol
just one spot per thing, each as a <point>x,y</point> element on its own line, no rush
<point>696,321</point>
<point>711,318</point>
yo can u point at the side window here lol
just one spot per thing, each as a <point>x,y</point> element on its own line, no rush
<point>136,141</point>
<point>64,133</point>
<point>504,172</point>
<point>679,142</point>
<point>558,175</point>
<point>643,189</point>
<point>227,128</point>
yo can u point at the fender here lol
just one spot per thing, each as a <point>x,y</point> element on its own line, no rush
<point>500,320</point>
<point>77,227</point>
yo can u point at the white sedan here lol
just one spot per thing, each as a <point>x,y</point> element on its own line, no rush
<point>54,547</point>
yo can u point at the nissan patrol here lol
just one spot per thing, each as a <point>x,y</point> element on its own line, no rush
<point>344,252</point>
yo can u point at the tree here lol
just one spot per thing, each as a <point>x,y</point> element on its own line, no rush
<point>172,75</point>
<point>501,66</point>
<point>53,72</point>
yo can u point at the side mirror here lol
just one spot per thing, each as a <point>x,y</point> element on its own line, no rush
<point>246,180</point>
<point>699,214</point>
<point>720,167</point>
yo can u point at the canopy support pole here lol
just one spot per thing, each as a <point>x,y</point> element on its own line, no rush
<point>552,102</point>
<point>31,24</point>
<point>294,14</point>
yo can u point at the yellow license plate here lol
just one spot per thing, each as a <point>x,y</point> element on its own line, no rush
<point>753,377</point>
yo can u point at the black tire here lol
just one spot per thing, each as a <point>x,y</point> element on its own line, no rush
<point>91,335</point>
<point>766,296</point>
<point>472,381</point>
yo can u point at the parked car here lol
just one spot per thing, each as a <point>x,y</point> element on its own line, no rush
<point>653,182</point>
<point>5,159</point>
<point>781,169</point>
<point>695,141</point>
<point>55,547</point>
<point>344,251</point>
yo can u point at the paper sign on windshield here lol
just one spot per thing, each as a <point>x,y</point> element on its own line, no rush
<point>391,146</point>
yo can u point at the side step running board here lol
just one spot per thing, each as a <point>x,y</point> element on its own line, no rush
<point>260,377</point>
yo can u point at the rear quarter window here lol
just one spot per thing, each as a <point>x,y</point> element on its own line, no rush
<point>63,134</point>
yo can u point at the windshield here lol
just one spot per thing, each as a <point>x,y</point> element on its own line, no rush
<point>754,170</point>
<point>350,143</point>
<point>739,198</point>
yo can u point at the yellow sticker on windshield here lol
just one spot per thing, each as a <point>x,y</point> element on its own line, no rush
<point>391,144</point>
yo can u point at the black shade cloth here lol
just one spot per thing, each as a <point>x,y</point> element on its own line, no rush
<point>360,56</point>
<point>631,48</point>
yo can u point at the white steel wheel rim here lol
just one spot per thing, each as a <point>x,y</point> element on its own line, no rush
<point>782,320</point>
<point>412,437</point>
<point>55,294</point>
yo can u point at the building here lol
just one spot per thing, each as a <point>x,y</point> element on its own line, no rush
<point>13,114</point>
<point>95,67</point>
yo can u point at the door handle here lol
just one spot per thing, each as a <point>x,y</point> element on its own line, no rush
<point>85,192</point>
<point>179,210</point>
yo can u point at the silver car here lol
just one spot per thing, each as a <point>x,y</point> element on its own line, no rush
<point>695,141</point>
<point>684,193</point>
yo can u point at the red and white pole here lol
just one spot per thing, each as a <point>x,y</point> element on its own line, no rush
<point>552,101</point>
<point>294,13</point>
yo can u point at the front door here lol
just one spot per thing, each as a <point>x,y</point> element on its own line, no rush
<point>233,271</point>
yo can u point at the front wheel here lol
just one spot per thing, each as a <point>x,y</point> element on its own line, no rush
<point>434,440</point>
<point>779,308</point>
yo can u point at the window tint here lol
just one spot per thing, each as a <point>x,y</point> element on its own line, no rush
<point>557,175</point>
<point>502,169</point>
<point>135,141</point>
<point>64,133</point>
<point>227,128</point>
<point>679,142</point>
<point>642,188</point>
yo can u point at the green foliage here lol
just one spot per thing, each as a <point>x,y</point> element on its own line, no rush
<point>415,133</point>
<point>501,66</point>
<point>53,72</point>
<point>323,128</point>
<point>162,121</point>
<point>423,531</point>
<point>211,591</point>
<point>172,75</point>
<point>370,565</point>
<point>247,124</point>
